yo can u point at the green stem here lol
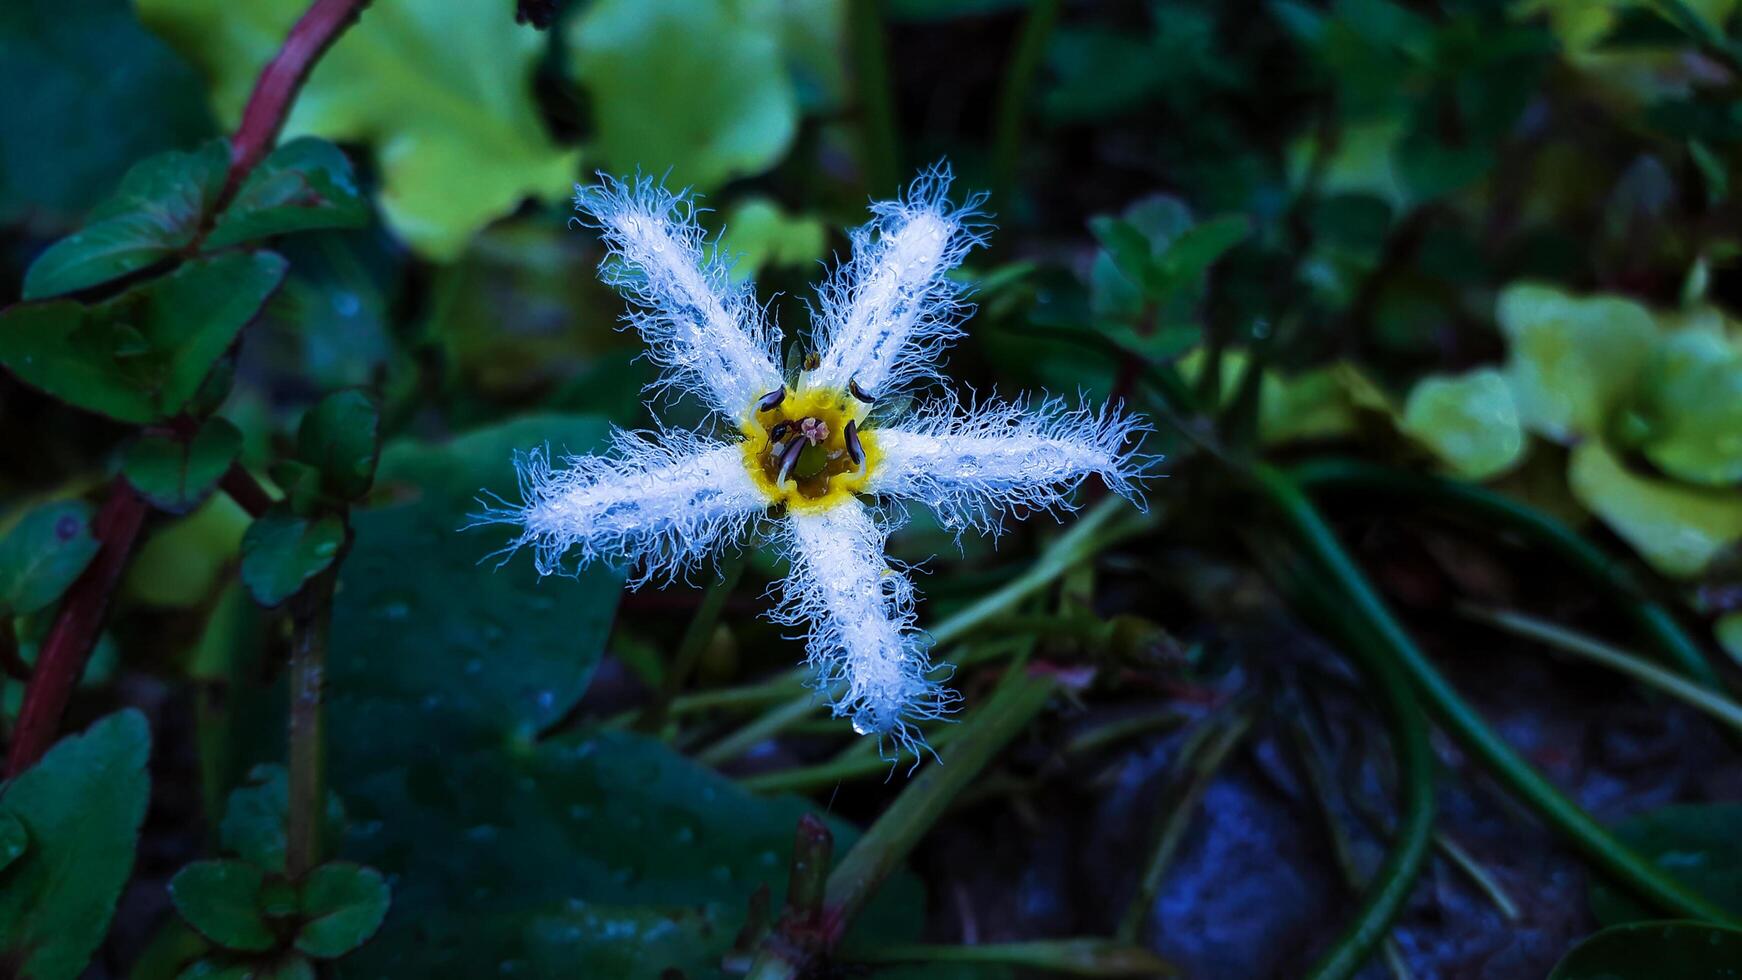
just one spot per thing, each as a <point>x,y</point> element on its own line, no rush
<point>1478,875</point>
<point>1088,957</point>
<point>1463,722</point>
<point>1013,98</point>
<point>311,616</point>
<point>876,98</point>
<point>1567,641</point>
<point>1496,510</point>
<point>1015,703</point>
<point>696,637</point>
<point>767,726</point>
<point>1198,764</point>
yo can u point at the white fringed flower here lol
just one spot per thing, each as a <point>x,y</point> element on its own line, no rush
<point>805,463</point>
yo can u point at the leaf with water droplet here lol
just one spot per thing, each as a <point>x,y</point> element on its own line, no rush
<point>281,551</point>
<point>42,554</point>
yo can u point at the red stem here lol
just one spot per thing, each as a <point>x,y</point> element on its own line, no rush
<point>61,662</point>
<point>279,82</point>
<point>245,490</point>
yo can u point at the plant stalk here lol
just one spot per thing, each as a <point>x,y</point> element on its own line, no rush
<point>1013,98</point>
<point>311,617</point>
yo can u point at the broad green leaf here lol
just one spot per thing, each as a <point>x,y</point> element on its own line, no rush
<point>78,113</point>
<point>1675,527</point>
<point>1654,951</point>
<point>758,233</point>
<point>14,840</point>
<point>1571,360</point>
<point>222,900</point>
<point>696,86</point>
<point>441,91</point>
<point>42,554</point>
<point>290,967</point>
<point>176,475</point>
<point>80,807</point>
<point>140,356</point>
<point>154,214</point>
<point>282,550</point>
<point>301,186</point>
<point>1694,843</point>
<point>341,437</point>
<point>1469,421</point>
<point>1690,408</point>
<point>1728,630</point>
<point>254,818</point>
<point>1195,250</point>
<point>342,906</point>
<point>181,562</point>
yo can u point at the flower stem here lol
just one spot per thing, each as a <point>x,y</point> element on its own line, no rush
<point>696,637</point>
<point>311,616</point>
<point>1610,855</point>
<point>1017,700</point>
<point>1721,708</point>
<point>1087,957</point>
<point>279,83</point>
<point>246,491</point>
<point>876,99</point>
<point>61,661</point>
<point>1013,98</point>
<point>1496,510</point>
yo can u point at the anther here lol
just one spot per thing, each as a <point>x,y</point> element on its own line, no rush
<point>788,461</point>
<point>855,450</point>
<point>779,431</point>
<point>858,392</point>
<point>768,402</point>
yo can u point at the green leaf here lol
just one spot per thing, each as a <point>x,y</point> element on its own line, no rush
<point>222,900</point>
<point>341,437</point>
<point>1654,951</point>
<point>80,807</point>
<point>1469,421</point>
<point>303,185</point>
<point>342,906</point>
<point>697,86</point>
<point>281,551</point>
<point>1571,361</point>
<point>1193,252</point>
<point>42,554</point>
<point>442,92</point>
<point>140,356</point>
<point>1696,843</point>
<point>759,234</point>
<point>254,818</point>
<point>14,839</point>
<point>154,214</point>
<point>1728,630</point>
<point>182,561</point>
<point>1677,528</point>
<point>78,113</point>
<point>290,967</point>
<point>175,474</point>
<point>1690,406</point>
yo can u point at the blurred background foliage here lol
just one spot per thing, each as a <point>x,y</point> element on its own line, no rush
<point>1476,261</point>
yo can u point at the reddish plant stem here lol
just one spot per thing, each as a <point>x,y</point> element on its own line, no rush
<point>279,83</point>
<point>61,661</point>
<point>245,490</point>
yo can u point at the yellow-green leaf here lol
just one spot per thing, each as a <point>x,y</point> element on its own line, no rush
<point>1677,528</point>
<point>1690,408</point>
<point>1469,421</point>
<point>1571,360</point>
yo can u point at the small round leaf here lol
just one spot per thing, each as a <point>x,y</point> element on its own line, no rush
<point>343,905</point>
<point>177,474</point>
<point>222,900</point>
<point>42,555</point>
<point>281,551</point>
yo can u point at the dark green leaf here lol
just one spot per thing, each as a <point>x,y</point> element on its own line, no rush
<point>222,900</point>
<point>13,839</point>
<point>341,437</point>
<point>291,967</point>
<point>281,551</point>
<point>304,185</point>
<point>1697,843</point>
<point>1127,246</point>
<point>342,906</point>
<point>177,474</point>
<point>154,214</point>
<point>80,807</point>
<point>1195,250</point>
<point>142,355</point>
<point>1655,951</point>
<point>254,818</point>
<point>42,554</point>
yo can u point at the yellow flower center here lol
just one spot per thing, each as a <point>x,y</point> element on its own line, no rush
<point>807,435</point>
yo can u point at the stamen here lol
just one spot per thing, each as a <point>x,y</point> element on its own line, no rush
<point>779,431</point>
<point>855,450</point>
<point>858,392</point>
<point>788,461</point>
<point>768,402</point>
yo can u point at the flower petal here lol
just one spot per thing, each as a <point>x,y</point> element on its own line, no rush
<point>658,503</point>
<point>869,658</point>
<point>976,462</point>
<point>710,336</point>
<point>887,314</point>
